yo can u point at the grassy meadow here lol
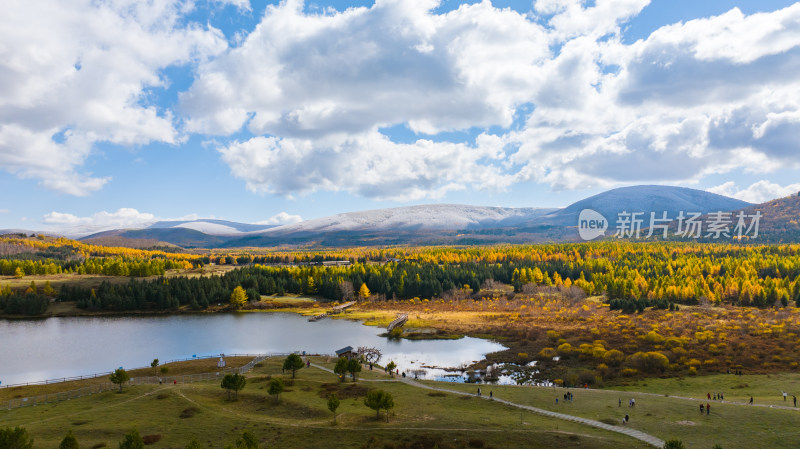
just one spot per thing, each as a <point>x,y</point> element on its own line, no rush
<point>300,419</point>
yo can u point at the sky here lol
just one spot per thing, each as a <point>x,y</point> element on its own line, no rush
<point>115,113</point>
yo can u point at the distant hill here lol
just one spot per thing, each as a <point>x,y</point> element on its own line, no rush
<point>645,199</point>
<point>124,242</point>
<point>211,226</point>
<point>185,238</point>
<point>780,220</point>
<point>449,224</point>
<point>430,217</point>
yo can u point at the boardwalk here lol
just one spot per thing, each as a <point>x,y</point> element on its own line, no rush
<point>633,433</point>
<point>399,321</point>
<point>341,307</point>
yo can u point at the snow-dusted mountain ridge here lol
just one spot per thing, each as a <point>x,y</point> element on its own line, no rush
<point>425,217</point>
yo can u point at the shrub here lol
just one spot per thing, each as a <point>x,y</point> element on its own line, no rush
<point>674,444</point>
<point>614,357</point>
<point>547,353</point>
<point>649,361</point>
<point>151,439</point>
<point>188,412</point>
<point>476,442</point>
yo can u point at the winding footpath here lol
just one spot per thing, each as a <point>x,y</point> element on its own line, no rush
<point>633,433</point>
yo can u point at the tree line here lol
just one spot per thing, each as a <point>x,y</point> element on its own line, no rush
<point>637,278</point>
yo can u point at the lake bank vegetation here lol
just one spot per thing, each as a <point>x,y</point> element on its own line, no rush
<point>588,313</point>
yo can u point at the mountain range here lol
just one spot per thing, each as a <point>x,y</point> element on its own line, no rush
<point>458,224</point>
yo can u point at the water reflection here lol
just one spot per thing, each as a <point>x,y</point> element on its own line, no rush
<point>65,347</point>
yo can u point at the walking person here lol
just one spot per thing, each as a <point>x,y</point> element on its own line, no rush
<point>479,391</point>
<point>702,409</point>
<point>620,402</point>
<point>751,400</point>
<point>794,398</point>
<point>490,394</point>
<point>708,409</point>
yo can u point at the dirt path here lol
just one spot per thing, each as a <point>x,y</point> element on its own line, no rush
<point>641,436</point>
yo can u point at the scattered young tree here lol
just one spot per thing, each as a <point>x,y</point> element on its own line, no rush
<point>341,368</point>
<point>194,444</point>
<point>48,289</point>
<point>379,400</point>
<point>15,438</point>
<point>391,366</point>
<point>293,362</point>
<point>132,440</point>
<point>154,365</point>
<point>233,383</point>
<point>673,444</point>
<point>333,404</point>
<point>369,354</point>
<point>119,377</point>
<point>276,387</point>
<point>238,297</point>
<point>363,292</point>
<point>69,441</point>
<point>353,367</point>
<point>246,441</point>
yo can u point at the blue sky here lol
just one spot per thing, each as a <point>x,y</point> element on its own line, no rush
<point>115,113</point>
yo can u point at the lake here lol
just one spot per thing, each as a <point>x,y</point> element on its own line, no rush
<point>35,350</point>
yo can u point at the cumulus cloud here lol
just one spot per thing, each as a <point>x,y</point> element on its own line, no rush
<point>281,218</point>
<point>758,192</point>
<point>308,75</point>
<point>370,165</point>
<point>122,218</point>
<point>75,73</point>
<point>555,96</point>
<point>706,96</point>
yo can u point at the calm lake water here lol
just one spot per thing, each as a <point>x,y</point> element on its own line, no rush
<point>65,347</point>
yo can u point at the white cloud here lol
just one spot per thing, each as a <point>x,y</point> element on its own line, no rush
<point>572,105</point>
<point>570,18</point>
<point>672,108</point>
<point>75,73</point>
<point>122,218</point>
<point>240,4</point>
<point>369,165</point>
<point>308,75</point>
<point>701,97</point>
<point>758,192</point>
<point>281,218</point>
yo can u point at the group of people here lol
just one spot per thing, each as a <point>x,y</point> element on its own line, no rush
<point>794,398</point>
<point>717,396</point>
<point>707,409</point>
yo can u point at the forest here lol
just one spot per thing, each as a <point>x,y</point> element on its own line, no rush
<point>632,276</point>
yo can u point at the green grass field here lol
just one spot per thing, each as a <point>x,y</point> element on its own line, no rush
<point>765,388</point>
<point>301,419</point>
<point>729,425</point>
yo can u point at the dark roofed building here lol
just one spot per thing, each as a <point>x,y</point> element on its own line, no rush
<point>346,352</point>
